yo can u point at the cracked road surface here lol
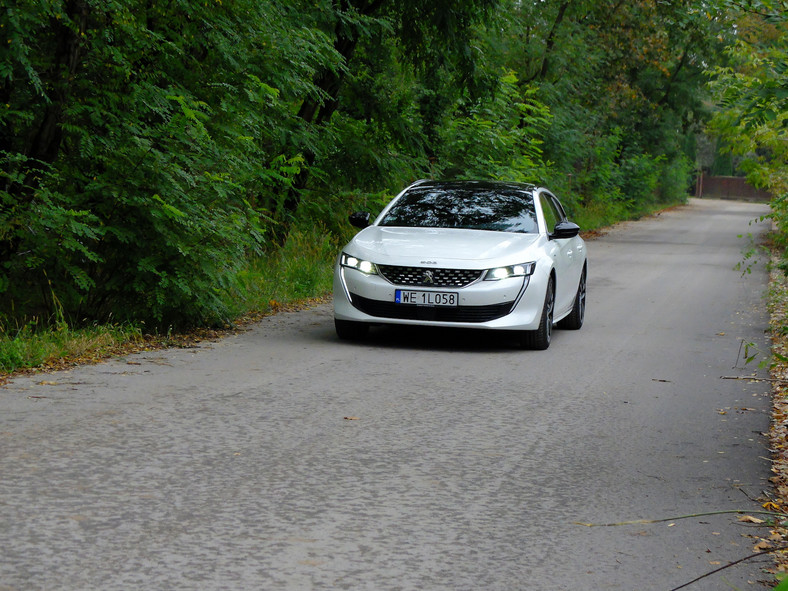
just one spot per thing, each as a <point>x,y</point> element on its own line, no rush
<point>284,459</point>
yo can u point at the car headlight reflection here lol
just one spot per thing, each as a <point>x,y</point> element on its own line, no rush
<point>524,270</point>
<point>358,264</point>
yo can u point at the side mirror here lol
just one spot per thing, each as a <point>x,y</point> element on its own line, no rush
<point>565,230</point>
<point>360,219</point>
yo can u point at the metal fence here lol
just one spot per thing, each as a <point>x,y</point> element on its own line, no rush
<point>728,187</point>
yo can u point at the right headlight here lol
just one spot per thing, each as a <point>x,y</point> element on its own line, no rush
<point>352,262</point>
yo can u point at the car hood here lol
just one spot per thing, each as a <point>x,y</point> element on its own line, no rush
<point>441,246</point>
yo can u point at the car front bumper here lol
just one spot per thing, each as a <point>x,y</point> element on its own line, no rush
<point>508,304</point>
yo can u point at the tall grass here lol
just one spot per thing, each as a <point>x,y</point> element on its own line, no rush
<point>600,214</point>
<point>300,270</point>
<point>37,344</point>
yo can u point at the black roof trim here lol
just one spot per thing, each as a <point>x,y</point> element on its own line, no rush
<point>481,184</point>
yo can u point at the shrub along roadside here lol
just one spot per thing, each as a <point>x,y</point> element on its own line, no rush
<point>300,273</point>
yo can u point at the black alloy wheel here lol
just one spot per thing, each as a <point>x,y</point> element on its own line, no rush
<point>539,339</point>
<point>576,317</point>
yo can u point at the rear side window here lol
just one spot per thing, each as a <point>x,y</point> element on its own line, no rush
<point>552,211</point>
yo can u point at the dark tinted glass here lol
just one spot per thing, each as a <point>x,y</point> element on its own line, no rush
<point>473,208</point>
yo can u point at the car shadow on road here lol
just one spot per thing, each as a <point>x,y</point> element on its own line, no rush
<point>437,339</point>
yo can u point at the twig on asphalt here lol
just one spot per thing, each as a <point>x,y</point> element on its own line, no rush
<point>754,379</point>
<point>730,564</point>
<point>729,511</point>
<point>644,521</point>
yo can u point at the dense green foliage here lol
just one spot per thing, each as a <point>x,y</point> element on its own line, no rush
<point>152,152</point>
<point>752,92</point>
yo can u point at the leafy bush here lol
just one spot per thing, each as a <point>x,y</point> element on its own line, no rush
<point>498,138</point>
<point>154,161</point>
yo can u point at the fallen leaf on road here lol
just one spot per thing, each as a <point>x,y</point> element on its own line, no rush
<point>749,519</point>
<point>352,418</point>
<point>47,383</point>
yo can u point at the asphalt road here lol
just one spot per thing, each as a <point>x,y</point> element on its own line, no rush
<point>284,459</point>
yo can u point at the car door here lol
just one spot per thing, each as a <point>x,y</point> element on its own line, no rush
<point>566,253</point>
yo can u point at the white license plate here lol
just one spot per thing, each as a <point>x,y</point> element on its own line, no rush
<point>426,298</point>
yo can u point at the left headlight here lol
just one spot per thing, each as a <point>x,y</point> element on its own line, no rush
<point>498,273</point>
<point>366,267</point>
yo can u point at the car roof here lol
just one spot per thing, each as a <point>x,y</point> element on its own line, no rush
<point>474,184</point>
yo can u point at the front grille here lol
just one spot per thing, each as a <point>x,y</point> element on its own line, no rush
<point>425,276</point>
<point>382,309</point>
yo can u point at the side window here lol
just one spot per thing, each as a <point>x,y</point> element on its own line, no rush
<point>552,214</point>
<point>559,208</point>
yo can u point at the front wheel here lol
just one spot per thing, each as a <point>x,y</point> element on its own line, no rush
<point>575,319</point>
<point>539,339</point>
<point>347,330</point>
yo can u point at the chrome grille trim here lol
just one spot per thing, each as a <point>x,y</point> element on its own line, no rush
<point>440,277</point>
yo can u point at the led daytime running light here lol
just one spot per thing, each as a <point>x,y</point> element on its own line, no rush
<point>498,273</point>
<point>358,264</point>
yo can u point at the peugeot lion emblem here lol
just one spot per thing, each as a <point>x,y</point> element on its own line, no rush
<point>428,277</point>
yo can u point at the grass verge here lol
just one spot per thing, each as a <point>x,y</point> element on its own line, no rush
<point>298,274</point>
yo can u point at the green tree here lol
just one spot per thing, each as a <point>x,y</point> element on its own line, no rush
<point>142,146</point>
<point>432,37</point>
<point>624,82</point>
<point>752,96</point>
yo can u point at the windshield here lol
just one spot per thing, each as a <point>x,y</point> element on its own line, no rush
<point>500,209</point>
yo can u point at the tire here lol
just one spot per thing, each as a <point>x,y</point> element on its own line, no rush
<point>539,339</point>
<point>347,330</point>
<point>575,319</point>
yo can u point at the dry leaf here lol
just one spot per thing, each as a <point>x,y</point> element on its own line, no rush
<point>749,519</point>
<point>47,383</point>
<point>352,418</point>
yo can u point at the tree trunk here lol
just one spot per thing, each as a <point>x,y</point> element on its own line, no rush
<point>541,73</point>
<point>45,142</point>
<point>329,82</point>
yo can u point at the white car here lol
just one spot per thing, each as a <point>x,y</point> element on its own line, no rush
<point>469,254</point>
